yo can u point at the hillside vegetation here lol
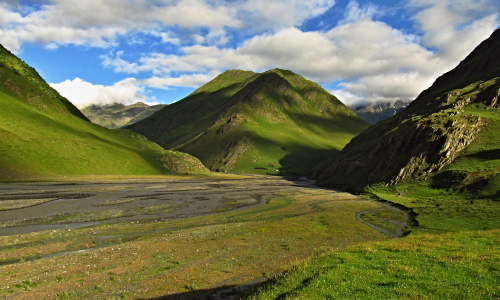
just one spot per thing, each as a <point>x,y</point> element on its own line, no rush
<point>274,122</point>
<point>449,133</point>
<point>117,115</point>
<point>43,134</point>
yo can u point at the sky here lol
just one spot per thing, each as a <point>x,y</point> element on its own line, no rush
<point>159,51</point>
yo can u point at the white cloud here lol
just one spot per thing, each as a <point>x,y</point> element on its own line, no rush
<point>370,55</point>
<point>279,14</point>
<point>192,80</point>
<point>99,23</point>
<point>455,27</point>
<point>354,12</point>
<point>82,93</point>
<point>128,91</point>
<point>6,16</point>
<point>388,87</point>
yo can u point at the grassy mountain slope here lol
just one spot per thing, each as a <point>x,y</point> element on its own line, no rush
<point>117,115</point>
<point>43,134</point>
<point>255,122</point>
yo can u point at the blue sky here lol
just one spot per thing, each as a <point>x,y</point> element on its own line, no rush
<point>159,51</point>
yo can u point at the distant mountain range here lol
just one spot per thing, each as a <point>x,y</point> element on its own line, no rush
<point>273,122</point>
<point>117,115</point>
<point>449,135</point>
<point>43,134</point>
<point>379,111</point>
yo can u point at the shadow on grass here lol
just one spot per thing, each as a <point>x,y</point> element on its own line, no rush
<point>301,162</point>
<point>225,292</point>
<point>487,155</point>
<point>448,179</point>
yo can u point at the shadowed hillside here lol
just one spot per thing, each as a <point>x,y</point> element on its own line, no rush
<point>453,123</point>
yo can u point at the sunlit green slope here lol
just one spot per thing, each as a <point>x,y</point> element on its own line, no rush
<point>43,134</point>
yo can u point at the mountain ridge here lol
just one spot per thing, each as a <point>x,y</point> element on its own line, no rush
<point>378,111</point>
<point>117,115</point>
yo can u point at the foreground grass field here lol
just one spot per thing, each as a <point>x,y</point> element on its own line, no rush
<point>462,265</point>
<point>213,254</point>
<point>453,252</point>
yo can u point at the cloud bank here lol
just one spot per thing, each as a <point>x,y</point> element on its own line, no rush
<point>360,56</point>
<point>82,93</point>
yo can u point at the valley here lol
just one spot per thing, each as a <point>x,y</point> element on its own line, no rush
<point>185,237</point>
<point>257,185</point>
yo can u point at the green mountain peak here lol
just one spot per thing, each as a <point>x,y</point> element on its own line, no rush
<point>243,121</point>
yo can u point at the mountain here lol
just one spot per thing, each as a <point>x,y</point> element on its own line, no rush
<point>117,115</point>
<point>449,136</point>
<point>242,121</point>
<point>43,134</point>
<point>379,111</point>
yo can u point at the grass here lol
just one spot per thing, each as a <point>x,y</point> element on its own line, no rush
<point>460,265</point>
<point>152,259</point>
<point>452,252</point>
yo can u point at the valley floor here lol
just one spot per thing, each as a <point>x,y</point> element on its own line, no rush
<point>172,238</point>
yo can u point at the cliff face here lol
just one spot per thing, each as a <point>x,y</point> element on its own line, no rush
<point>427,136</point>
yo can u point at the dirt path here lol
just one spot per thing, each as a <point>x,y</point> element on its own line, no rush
<point>400,226</point>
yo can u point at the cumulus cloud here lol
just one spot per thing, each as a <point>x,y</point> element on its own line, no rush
<point>99,23</point>
<point>82,93</point>
<point>280,14</point>
<point>455,27</point>
<point>128,91</point>
<point>355,12</point>
<point>372,60</point>
<point>370,55</point>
